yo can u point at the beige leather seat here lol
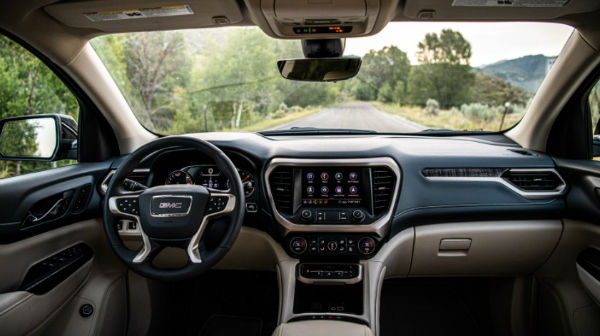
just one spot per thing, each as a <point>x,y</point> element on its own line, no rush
<point>322,328</point>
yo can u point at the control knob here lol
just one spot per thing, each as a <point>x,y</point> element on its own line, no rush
<point>298,245</point>
<point>358,215</point>
<point>306,215</point>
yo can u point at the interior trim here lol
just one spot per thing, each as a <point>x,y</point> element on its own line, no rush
<point>559,191</point>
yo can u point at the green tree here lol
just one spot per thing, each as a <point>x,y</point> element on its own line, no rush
<point>444,73</point>
<point>383,75</point>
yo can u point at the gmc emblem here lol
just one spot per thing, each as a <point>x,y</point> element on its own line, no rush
<point>170,205</point>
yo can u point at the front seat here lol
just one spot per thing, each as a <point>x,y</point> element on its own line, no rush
<point>322,328</point>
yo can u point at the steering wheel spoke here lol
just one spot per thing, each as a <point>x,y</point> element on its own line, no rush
<point>148,247</point>
<point>219,204</point>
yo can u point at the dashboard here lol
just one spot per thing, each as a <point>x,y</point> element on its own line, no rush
<point>343,197</point>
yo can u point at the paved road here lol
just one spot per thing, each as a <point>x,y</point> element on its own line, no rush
<point>360,115</point>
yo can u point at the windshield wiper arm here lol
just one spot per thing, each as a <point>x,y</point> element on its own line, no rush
<point>315,130</point>
<point>445,131</point>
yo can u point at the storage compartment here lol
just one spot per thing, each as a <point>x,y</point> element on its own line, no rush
<point>296,11</point>
<point>328,298</point>
<point>484,248</point>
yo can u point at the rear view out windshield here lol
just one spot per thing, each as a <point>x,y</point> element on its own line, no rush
<point>414,76</point>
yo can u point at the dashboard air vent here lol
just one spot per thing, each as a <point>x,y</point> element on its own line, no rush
<point>533,180</point>
<point>383,189</point>
<point>281,183</point>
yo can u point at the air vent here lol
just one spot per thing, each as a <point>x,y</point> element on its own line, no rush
<point>383,189</point>
<point>281,183</point>
<point>534,180</point>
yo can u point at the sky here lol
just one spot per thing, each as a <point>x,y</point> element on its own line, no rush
<point>490,42</point>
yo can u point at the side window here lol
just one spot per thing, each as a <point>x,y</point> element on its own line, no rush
<point>28,87</point>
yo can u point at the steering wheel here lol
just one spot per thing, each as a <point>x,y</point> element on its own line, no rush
<point>173,215</point>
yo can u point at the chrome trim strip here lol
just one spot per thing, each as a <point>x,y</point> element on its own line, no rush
<point>174,214</point>
<point>560,190</point>
<point>312,281</point>
<point>146,247</point>
<point>192,249</point>
<point>379,227</point>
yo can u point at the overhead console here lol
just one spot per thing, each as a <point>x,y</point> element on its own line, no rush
<point>317,19</point>
<point>333,207</point>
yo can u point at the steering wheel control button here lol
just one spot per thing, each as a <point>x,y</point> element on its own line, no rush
<point>128,205</point>
<point>366,245</point>
<point>298,245</point>
<point>218,203</point>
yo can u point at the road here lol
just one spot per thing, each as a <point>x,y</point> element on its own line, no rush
<point>359,115</point>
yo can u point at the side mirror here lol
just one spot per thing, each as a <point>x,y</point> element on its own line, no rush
<point>44,137</point>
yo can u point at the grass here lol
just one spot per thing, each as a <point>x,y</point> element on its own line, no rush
<point>271,122</point>
<point>449,119</point>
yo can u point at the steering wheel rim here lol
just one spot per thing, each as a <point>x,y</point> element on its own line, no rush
<point>153,224</point>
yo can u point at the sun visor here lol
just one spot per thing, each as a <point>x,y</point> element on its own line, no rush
<point>123,16</point>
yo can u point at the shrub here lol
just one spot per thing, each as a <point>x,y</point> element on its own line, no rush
<point>478,111</point>
<point>432,106</point>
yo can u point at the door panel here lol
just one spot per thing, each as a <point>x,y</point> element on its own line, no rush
<point>565,305</point>
<point>55,256</point>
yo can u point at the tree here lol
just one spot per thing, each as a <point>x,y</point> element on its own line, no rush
<point>383,75</point>
<point>492,90</point>
<point>444,73</point>
<point>449,47</point>
<point>157,65</point>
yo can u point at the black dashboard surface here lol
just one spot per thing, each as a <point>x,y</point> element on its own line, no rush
<point>420,200</point>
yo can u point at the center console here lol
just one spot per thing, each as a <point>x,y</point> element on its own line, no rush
<point>330,208</point>
<point>333,214</point>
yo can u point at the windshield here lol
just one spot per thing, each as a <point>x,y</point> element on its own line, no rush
<point>414,77</point>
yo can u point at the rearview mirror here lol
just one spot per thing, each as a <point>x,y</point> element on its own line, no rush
<point>46,137</point>
<point>319,69</point>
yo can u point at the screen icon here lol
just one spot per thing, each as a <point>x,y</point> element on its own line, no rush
<point>310,190</point>
<point>353,176</point>
<point>339,176</point>
<point>353,190</point>
<point>339,189</point>
<point>324,190</point>
<point>310,176</point>
<point>324,176</point>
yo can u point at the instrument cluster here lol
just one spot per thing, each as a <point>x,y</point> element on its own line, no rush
<point>210,176</point>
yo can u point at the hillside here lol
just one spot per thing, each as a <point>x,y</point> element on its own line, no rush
<point>526,72</point>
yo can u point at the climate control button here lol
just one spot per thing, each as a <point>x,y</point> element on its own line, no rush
<point>332,246</point>
<point>366,245</point>
<point>298,245</point>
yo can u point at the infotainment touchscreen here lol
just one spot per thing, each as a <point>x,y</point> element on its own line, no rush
<point>333,186</point>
